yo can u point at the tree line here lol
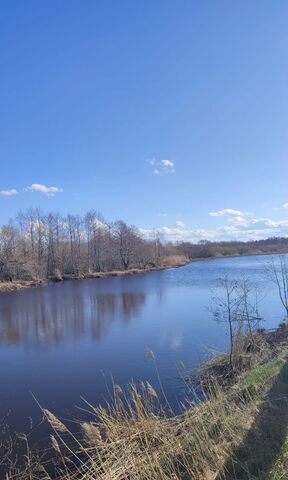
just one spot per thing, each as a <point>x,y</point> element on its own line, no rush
<point>42,245</point>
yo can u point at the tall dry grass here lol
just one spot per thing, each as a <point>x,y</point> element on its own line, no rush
<point>175,260</point>
<point>136,438</point>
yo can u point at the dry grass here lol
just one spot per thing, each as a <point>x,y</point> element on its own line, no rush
<point>239,431</point>
<point>136,439</point>
<point>19,285</point>
<point>246,356</point>
<point>175,261</point>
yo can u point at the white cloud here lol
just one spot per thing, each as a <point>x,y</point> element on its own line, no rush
<point>237,228</point>
<point>226,211</point>
<point>163,214</point>
<point>8,193</point>
<point>167,163</point>
<point>180,224</point>
<point>161,167</point>
<point>285,205</point>
<point>236,219</point>
<point>95,223</point>
<point>39,187</point>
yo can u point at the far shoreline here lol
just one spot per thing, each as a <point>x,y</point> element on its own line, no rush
<point>16,285</point>
<point>221,257</point>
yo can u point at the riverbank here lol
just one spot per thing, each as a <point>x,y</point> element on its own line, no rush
<point>174,261</point>
<point>238,431</point>
<point>20,285</point>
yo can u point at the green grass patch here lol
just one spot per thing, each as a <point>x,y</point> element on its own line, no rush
<point>260,375</point>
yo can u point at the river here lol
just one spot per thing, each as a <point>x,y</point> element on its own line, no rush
<point>67,340</point>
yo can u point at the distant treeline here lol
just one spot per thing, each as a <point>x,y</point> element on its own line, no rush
<point>37,245</point>
<point>206,249</point>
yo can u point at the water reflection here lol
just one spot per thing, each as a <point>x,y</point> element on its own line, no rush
<point>37,320</point>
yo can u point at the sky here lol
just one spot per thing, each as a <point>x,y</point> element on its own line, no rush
<point>171,115</point>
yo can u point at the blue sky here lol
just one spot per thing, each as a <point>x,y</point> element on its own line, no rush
<point>94,95</point>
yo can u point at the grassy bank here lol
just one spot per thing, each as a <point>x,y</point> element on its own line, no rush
<point>172,261</point>
<point>238,432</point>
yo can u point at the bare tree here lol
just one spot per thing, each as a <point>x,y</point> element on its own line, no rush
<point>125,240</point>
<point>144,253</point>
<point>75,236</point>
<point>96,234</point>
<point>158,248</point>
<point>277,271</point>
<point>249,311</point>
<point>226,307</point>
<point>7,252</point>
<point>236,304</point>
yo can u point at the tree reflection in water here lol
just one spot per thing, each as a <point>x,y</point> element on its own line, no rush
<point>53,315</point>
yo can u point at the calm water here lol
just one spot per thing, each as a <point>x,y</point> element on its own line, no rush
<point>66,340</point>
